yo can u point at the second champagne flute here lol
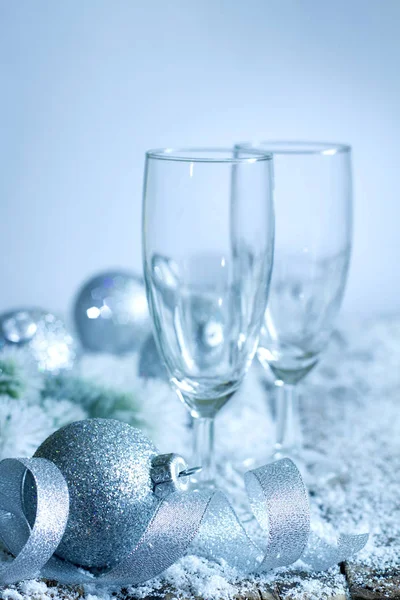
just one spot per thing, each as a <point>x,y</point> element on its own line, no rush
<point>208,234</point>
<point>313,200</point>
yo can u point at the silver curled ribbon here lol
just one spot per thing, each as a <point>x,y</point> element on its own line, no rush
<point>202,523</point>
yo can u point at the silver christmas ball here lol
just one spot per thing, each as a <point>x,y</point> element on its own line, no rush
<point>46,337</point>
<point>111,313</point>
<point>106,464</point>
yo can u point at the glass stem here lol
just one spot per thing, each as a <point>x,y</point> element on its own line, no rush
<point>203,449</point>
<point>288,431</point>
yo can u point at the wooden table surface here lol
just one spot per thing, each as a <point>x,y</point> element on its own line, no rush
<point>349,581</point>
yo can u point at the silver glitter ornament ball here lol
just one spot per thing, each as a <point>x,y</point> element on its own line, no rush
<point>107,465</point>
<point>111,313</point>
<point>46,337</point>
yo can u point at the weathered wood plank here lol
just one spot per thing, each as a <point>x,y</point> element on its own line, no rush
<point>358,583</point>
<point>308,586</point>
<point>268,592</point>
<point>294,586</point>
<point>245,591</point>
<point>366,583</point>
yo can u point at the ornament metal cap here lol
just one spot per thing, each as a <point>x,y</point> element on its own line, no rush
<point>170,473</point>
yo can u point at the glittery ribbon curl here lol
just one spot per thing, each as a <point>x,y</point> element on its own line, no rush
<point>201,523</point>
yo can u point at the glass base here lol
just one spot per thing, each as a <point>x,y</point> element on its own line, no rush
<point>315,467</point>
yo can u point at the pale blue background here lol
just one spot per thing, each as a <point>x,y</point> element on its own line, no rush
<point>88,85</point>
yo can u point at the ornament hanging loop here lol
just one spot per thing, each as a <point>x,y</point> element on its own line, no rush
<point>190,471</point>
<point>170,473</point>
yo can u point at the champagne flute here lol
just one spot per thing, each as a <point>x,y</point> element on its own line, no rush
<point>313,204</point>
<point>208,233</point>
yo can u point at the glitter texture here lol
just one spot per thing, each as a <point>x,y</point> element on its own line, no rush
<point>350,411</point>
<point>115,519</point>
<point>46,337</point>
<point>32,547</point>
<point>106,464</point>
<point>279,501</point>
<point>111,313</point>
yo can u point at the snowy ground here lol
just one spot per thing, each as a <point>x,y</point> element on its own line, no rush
<point>350,412</point>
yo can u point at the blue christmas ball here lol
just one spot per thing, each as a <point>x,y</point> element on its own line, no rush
<point>111,313</point>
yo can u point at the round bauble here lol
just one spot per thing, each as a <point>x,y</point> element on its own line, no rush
<point>106,464</point>
<point>43,334</point>
<point>150,364</point>
<point>111,313</point>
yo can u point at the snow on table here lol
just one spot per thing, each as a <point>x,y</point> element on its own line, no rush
<point>351,415</point>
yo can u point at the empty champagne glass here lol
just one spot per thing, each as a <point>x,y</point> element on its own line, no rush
<point>208,230</point>
<point>313,206</point>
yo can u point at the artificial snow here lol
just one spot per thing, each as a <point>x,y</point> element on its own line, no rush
<point>350,413</point>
